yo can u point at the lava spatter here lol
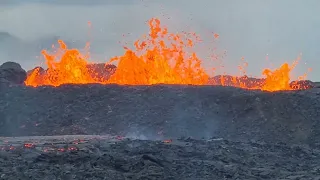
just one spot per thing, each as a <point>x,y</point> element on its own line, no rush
<point>160,57</point>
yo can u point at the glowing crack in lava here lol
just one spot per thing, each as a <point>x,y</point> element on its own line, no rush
<point>160,57</point>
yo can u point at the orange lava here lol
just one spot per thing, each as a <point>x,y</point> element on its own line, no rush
<point>167,141</point>
<point>66,66</point>
<point>278,79</point>
<point>160,57</point>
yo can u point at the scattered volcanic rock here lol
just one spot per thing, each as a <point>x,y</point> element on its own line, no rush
<point>189,159</point>
<point>101,71</point>
<point>249,82</point>
<point>171,111</point>
<point>227,80</point>
<point>12,73</point>
<point>236,133</point>
<point>38,68</point>
<point>303,84</point>
<point>316,84</point>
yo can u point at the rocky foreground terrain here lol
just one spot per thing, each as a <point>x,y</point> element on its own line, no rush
<point>161,111</point>
<point>105,157</point>
<point>161,132</point>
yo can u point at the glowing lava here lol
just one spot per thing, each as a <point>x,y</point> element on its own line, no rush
<point>160,57</point>
<point>66,66</point>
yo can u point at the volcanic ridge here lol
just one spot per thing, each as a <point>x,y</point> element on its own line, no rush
<point>156,114</point>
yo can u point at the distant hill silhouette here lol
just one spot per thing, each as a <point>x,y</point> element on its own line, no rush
<point>6,36</point>
<point>15,49</point>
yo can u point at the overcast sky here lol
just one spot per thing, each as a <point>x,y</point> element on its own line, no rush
<point>254,29</point>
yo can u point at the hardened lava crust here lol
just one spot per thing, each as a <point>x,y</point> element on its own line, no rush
<point>107,157</point>
<point>165,111</point>
<point>96,131</point>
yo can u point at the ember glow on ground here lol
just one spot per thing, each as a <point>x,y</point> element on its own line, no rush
<point>49,144</point>
<point>160,57</point>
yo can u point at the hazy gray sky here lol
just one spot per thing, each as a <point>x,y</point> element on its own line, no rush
<point>251,29</point>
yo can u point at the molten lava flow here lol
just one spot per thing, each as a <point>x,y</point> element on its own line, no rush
<point>273,80</point>
<point>164,59</point>
<point>160,57</point>
<point>278,79</point>
<point>71,68</point>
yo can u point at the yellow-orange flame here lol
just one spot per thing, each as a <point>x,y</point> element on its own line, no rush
<point>160,57</point>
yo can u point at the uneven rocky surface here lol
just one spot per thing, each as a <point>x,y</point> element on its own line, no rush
<point>161,110</point>
<point>102,72</point>
<point>11,73</point>
<point>173,132</point>
<point>98,71</point>
<point>105,157</point>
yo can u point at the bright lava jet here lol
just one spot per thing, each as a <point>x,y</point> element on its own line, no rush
<point>159,57</point>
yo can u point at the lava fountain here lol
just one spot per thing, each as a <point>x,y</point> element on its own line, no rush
<point>159,57</point>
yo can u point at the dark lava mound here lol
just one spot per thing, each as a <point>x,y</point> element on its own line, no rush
<point>162,111</point>
<point>235,133</point>
<point>188,159</point>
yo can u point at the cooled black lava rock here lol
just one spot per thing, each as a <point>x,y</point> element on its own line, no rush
<point>227,80</point>
<point>188,159</point>
<point>38,68</point>
<point>101,71</point>
<point>316,84</point>
<point>162,110</point>
<point>12,73</point>
<point>304,84</point>
<point>250,82</point>
<point>98,71</point>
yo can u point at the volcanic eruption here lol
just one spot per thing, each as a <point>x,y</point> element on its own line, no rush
<point>90,130</point>
<point>160,57</point>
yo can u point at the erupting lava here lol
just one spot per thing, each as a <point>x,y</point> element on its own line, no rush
<point>161,57</point>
